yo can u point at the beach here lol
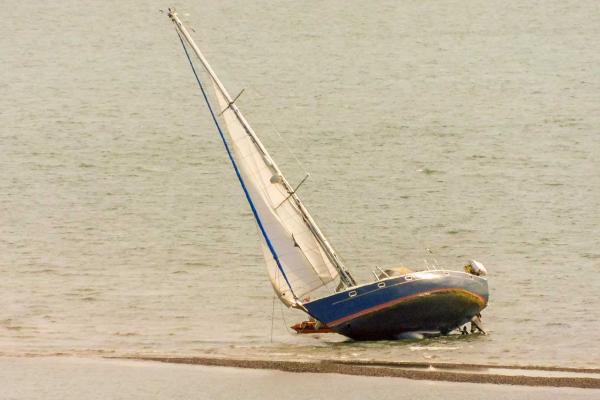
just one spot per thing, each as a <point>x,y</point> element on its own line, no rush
<point>69,378</point>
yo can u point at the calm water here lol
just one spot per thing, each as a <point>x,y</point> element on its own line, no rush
<point>469,129</point>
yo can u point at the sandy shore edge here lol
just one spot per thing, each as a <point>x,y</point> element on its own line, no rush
<point>422,371</point>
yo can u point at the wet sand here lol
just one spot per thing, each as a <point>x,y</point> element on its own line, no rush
<point>587,378</point>
<point>70,378</point>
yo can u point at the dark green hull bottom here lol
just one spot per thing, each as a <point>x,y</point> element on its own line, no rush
<point>440,311</point>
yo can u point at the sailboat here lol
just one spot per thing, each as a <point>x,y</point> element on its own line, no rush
<point>304,269</point>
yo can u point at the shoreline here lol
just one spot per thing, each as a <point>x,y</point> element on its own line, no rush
<point>74,378</point>
<point>448,372</point>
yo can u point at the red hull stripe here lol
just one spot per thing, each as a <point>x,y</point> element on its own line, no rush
<point>400,300</point>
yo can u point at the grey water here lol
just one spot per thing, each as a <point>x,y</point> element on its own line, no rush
<point>471,129</point>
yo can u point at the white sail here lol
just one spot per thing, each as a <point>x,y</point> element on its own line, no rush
<point>300,255</point>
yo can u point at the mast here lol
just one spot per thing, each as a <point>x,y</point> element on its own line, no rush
<point>345,275</point>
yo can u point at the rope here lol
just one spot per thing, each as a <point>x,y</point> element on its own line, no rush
<point>277,132</point>
<point>272,316</point>
<point>235,167</point>
<point>298,162</point>
<point>285,323</point>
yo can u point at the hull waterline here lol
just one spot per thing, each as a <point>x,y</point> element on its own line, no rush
<point>422,301</point>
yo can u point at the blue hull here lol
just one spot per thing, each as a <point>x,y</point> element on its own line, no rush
<point>421,301</point>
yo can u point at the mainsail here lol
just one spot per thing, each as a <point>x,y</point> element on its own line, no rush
<point>299,258</point>
<point>300,255</point>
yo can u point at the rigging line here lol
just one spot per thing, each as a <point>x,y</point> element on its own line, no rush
<point>285,323</point>
<point>331,254</point>
<point>346,240</point>
<point>231,102</point>
<point>272,316</point>
<point>277,132</point>
<point>293,191</point>
<point>237,171</point>
<point>307,229</point>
